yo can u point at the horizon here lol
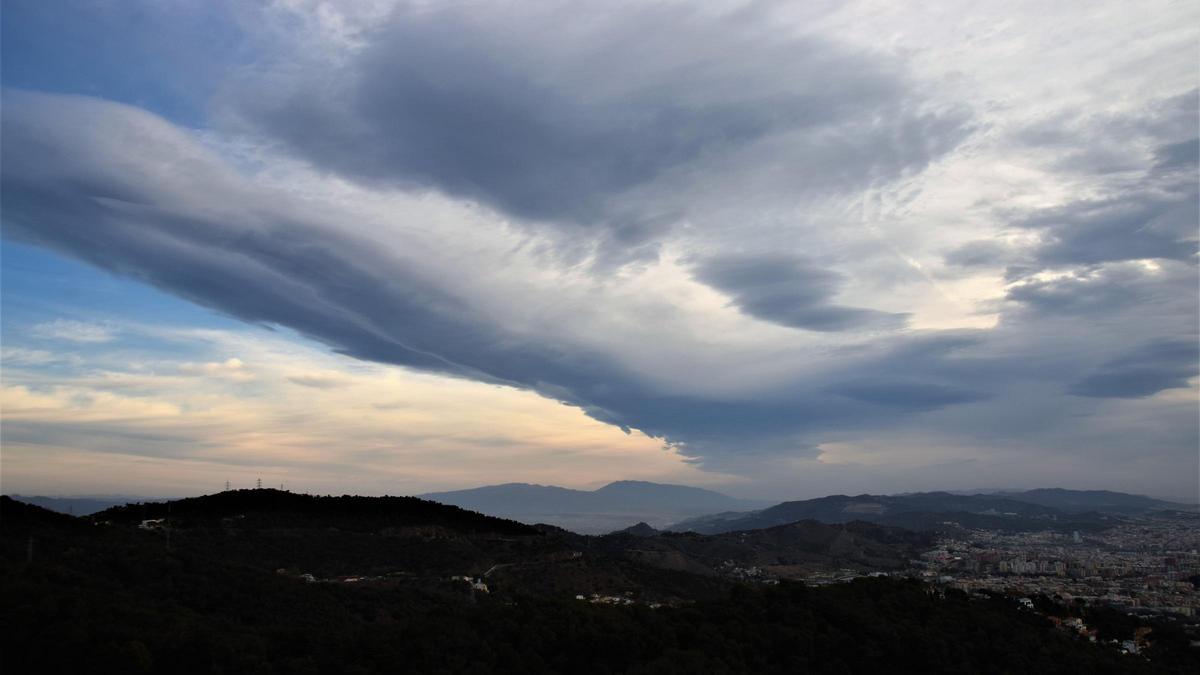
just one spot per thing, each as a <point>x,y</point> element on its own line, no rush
<point>770,500</point>
<point>776,251</point>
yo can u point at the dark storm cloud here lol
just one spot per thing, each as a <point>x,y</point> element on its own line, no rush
<point>563,112</point>
<point>788,291</point>
<point>1154,367</point>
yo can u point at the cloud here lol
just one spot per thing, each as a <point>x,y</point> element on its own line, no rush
<point>230,369</point>
<point>553,205</point>
<point>1134,226</point>
<point>21,356</point>
<point>1181,155</point>
<point>319,381</point>
<point>908,395</point>
<point>408,302</point>
<point>75,331</point>
<point>1103,290</point>
<point>1148,211</point>
<point>304,268</point>
<point>447,433</point>
<point>980,253</point>
<point>579,114</point>
<point>788,291</point>
<point>1154,367</point>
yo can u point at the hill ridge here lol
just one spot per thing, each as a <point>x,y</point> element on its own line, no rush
<point>613,506</point>
<point>1057,508</point>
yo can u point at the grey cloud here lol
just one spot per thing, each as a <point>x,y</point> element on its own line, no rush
<point>1103,143</point>
<point>908,395</point>
<point>1170,119</point>
<point>1182,155</point>
<point>1078,325</point>
<point>1104,290</point>
<point>1152,215</point>
<point>85,178</point>
<point>567,113</point>
<point>204,234</point>
<point>1159,365</point>
<point>980,253</point>
<point>269,267</point>
<point>1144,224</point>
<point>788,291</point>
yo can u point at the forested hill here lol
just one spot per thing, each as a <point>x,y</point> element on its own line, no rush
<point>918,511</point>
<point>226,595</point>
<point>338,537</point>
<point>26,515</point>
<point>289,509</point>
<point>82,506</point>
<point>1102,501</point>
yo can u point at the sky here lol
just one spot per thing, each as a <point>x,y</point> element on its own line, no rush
<point>779,249</point>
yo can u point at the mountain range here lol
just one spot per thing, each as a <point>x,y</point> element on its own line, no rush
<point>82,506</point>
<point>614,506</point>
<point>277,582</point>
<point>412,540</point>
<point>622,504</point>
<point>1102,501</point>
<point>1042,509</point>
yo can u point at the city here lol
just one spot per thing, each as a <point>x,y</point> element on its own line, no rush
<point>1149,565</point>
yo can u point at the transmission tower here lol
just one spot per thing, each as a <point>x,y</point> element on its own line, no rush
<point>259,484</point>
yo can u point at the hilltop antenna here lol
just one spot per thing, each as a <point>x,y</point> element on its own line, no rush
<point>259,484</point>
<point>227,486</point>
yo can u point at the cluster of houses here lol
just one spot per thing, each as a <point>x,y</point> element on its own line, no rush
<point>627,599</point>
<point>476,583</point>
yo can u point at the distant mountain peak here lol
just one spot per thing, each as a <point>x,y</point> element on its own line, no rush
<point>640,530</point>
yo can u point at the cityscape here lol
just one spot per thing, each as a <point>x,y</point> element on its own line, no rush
<point>1149,565</point>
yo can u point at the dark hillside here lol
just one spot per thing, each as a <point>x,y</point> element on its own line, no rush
<point>1103,501</point>
<point>268,507</point>
<point>221,596</point>
<point>927,511</point>
<point>20,515</point>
